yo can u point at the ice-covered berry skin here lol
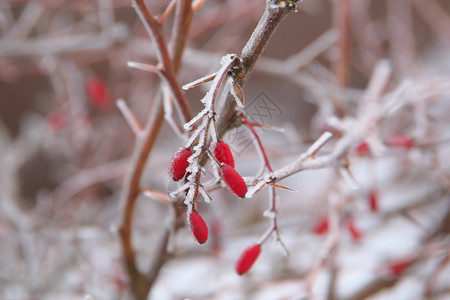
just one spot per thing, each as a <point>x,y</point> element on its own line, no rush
<point>223,154</point>
<point>247,259</point>
<point>198,227</point>
<point>233,180</point>
<point>179,163</point>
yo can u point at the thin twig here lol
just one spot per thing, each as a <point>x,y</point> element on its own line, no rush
<point>169,72</point>
<point>272,17</point>
<point>342,21</point>
<point>131,119</point>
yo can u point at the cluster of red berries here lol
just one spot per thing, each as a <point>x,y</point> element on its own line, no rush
<point>397,140</point>
<point>322,225</point>
<point>223,155</point>
<point>234,182</point>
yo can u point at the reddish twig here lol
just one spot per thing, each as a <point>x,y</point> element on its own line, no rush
<point>342,23</point>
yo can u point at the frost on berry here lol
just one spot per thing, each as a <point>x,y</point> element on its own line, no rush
<point>248,258</point>
<point>233,180</point>
<point>321,225</point>
<point>179,163</point>
<point>373,201</point>
<point>98,92</point>
<point>198,227</point>
<point>401,140</point>
<point>223,154</point>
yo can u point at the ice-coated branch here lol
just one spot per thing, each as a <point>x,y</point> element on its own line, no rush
<point>200,136</point>
<point>372,109</point>
<point>273,15</point>
<point>131,119</point>
<point>169,69</point>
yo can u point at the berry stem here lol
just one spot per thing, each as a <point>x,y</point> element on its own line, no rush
<point>273,196</point>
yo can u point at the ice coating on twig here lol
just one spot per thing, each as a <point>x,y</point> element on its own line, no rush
<point>199,81</point>
<point>206,196</point>
<point>236,92</point>
<point>143,67</point>
<point>204,130</point>
<point>189,125</point>
<point>254,189</point>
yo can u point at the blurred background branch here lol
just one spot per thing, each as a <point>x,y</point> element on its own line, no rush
<point>369,220</point>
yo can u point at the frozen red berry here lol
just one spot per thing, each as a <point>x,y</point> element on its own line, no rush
<point>321,225</point>
<point>56,121</point>
<point>198,227</point>
<point>396,268</point>
<point>354,230</point>
<point>98,92</point>
<point>223,154</point>
<point>233,180</point>
<point>248,258</point>
<point>373,201</point>
<point>363,149</point>
<point>401,140</point>
<point>179,163</point>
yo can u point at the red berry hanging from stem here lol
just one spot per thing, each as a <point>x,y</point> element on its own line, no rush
<point>223,153</point>
<point>233,180</point>
<point>198,227</point>
<point>179,163</point>
<point>248,258</point>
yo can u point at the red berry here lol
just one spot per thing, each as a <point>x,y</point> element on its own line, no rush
<point>248,258</point>
<point>373,201</point>
<point>98,92</point>
<point>233,180</point>
<point>363,149</point>
<point>321,225</point>
<point>198,227</point>
<point>56,121</point>
<point>396,268</point>
<point>354,230</point>
<point>223,154</point>
<point>401,141</point>
<point>179,163</point>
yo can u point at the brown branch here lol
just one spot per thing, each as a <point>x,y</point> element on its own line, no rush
<point>272,17</point>
<point>130,192</point>
<point>168,71</point>
<point>342,23</point>
<point>342,63</point>
<point>274,14</point>
<point>180,31</point>
<point>141,283</point>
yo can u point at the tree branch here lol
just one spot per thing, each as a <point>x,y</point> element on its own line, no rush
<point>155,31</point>
<point>272,17</point>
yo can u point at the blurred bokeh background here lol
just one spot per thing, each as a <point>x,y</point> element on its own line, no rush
<point>65,147</point>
